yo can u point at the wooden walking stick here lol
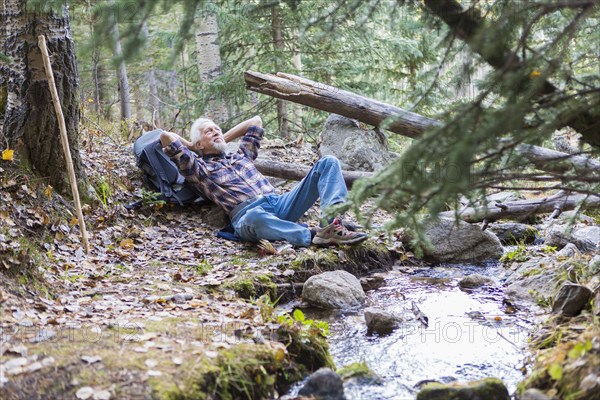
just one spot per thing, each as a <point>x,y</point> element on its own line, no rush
<point>64,141</point>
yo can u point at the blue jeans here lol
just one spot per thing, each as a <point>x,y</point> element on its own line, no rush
<point>274,216</point>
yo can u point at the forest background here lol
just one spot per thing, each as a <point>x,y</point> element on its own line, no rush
<point>497,73</point>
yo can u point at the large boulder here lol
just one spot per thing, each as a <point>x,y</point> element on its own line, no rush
<point>324,385</point>
<point>333,290</point>
<point>485,389</point>
<point>460,242</point>
<point>357,149</point>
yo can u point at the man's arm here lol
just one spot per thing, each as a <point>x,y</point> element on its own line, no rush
<point>166,138</point>
<point>241,128</point>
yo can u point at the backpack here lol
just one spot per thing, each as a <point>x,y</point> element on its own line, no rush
<point>160,173</point>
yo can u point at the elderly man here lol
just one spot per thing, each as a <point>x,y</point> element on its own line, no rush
<point>233,183</point>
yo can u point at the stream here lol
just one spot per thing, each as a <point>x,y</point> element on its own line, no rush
<point>472,334</point>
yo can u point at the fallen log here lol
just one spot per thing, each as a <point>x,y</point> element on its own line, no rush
<point>329,98</point>
<point>279,169</point>
<point>521,209</point>
<point>559,162</point>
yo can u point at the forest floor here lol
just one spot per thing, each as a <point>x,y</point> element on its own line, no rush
<point>157,298</point>
<point>161,307</point>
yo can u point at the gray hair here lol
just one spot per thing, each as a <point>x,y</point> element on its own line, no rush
<point>196,129</point>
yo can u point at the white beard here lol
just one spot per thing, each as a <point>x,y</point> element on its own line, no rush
<point>220,146</point>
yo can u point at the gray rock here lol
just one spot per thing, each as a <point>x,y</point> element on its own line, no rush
<point>356,148</point>
<point>491,199</point>
<point>596,309</point>
<point>571,216</point>
<point>534,394</point>
<point>504,197</point>
<point>512,233</point>
<point>488,389</point>
<point>536,277</point>
<point>474,281</point>
<point>372,282</point>
<point>333,290</point>
<point>462,242</point>
<point>595,265</point>
<point>570,250</point>
<point>589,234</point>
<point>571,299</point>
<point>381,321</point>
<point>182,298</point>
<point>590,384</point>
<point>560,235</point>
<point>324,385</point>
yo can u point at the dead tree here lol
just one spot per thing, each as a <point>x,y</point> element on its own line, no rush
<point>278,169</point>
<point>328,98</point>
<point>521,209</point>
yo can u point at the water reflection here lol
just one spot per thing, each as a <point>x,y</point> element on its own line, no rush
<point>470,335</point>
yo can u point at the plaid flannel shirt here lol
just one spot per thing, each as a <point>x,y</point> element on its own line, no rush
<point>227,180</point>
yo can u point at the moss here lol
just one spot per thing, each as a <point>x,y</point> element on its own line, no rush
<point>488,388</point>
<point>356,370</point>
<point>244,287</point>
<point>533,272</point>
<point>358,260</point>
<point>246,371</point>
<point>253,286</point>
<point>308,348</point>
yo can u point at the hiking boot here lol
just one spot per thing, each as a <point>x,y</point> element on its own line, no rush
<point>347,224</point>
<point>336,233</point>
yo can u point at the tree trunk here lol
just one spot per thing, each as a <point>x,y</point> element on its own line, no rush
<point>296,172</point>
<point>282,118</point>
<point>520,210</point>
<point>296,119</point>
<point>124,97</point>
<point>328,98</point>
<point>103,89</point>
<point>152,87</point>
<point>209,62</point>
<point>467,24</point>
<point>30,125</point>
<point>95,64</point>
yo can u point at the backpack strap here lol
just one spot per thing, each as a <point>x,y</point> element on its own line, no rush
<point>165,186</point>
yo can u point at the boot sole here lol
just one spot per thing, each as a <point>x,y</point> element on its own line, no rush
<point>322,242</point>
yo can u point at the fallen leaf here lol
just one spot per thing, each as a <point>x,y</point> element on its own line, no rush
<point>7,155</point>
<point>91,359</point>
<point>126,244</point>
<point>48,192</point>
<point>177,360</point>
<point>84,393</point>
